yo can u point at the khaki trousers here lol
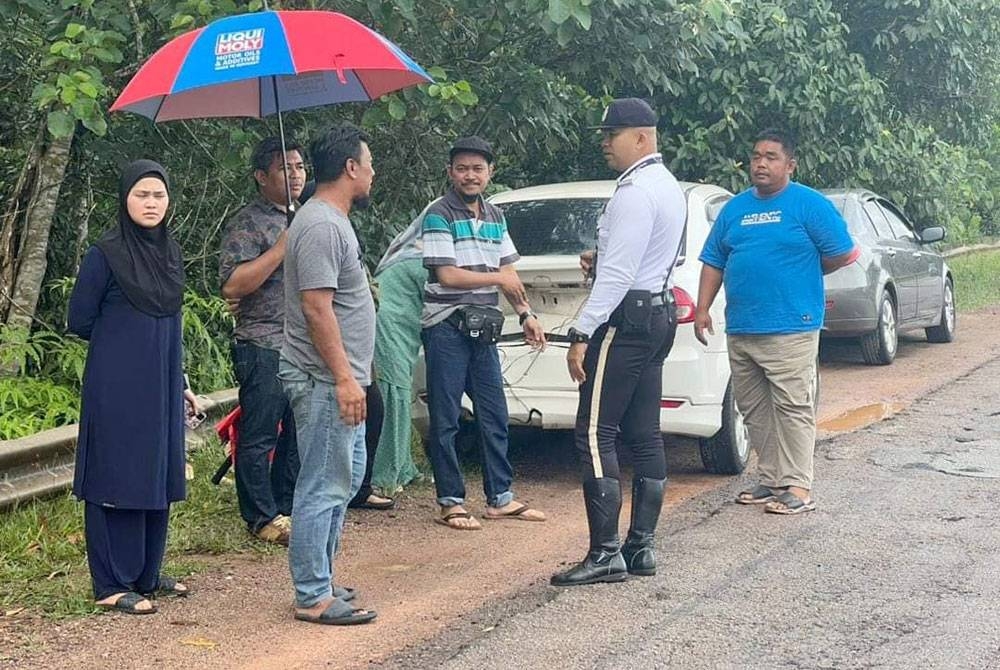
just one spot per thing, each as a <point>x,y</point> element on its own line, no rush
<point>773,386</point>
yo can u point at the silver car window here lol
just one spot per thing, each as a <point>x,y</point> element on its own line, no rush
<point>900,228</point>
<point>859,225</point>
<point>877,218</point>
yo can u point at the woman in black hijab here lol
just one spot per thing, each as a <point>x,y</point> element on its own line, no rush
<point>130,452</point>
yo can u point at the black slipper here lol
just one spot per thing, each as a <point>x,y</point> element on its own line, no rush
<point>345,593</point>
<point>757,495</point>
<point>168,587</point>
<point>789,503</point>
<point>338,613</point>
<point>388,503</point>
<point>127,604</point>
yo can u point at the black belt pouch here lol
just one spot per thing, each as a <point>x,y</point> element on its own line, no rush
<point>634,315</point>
<point>481,324</point>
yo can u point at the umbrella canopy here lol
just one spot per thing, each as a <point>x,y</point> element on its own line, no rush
<point>268,62</point>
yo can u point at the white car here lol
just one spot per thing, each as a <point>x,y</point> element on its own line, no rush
<point>550,225</point>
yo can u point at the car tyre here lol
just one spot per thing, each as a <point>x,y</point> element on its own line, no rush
<point>728,451</point>
<point>944,331</point>
<point>879,346</point>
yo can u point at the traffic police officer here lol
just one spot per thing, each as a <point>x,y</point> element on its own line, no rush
<point>618,345</point>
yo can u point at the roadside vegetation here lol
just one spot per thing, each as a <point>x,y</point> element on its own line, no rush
<point>977,280</point>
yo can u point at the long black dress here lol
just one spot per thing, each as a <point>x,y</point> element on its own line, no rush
<point>130,451</point>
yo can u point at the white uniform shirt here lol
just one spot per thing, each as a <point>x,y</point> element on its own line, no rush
<point>638,236</point>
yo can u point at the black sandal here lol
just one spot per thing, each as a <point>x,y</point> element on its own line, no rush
<point>338,613</point>
<point>757,495</point>
<point>168,588</point>
<point>128,602</point>
<point>789,503</point>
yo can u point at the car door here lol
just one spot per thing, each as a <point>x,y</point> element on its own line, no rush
<point>900,250</point>
<point>928,266</point>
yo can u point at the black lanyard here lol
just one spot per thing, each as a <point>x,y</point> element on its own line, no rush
<point>652,160</point>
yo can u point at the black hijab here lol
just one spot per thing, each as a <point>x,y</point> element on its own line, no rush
<point>146,262</point>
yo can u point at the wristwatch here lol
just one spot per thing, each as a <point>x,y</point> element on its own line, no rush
<point>576,337</point>
<point>521,318</point>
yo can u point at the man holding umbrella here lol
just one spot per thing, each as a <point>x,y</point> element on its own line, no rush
<point>250,271</point>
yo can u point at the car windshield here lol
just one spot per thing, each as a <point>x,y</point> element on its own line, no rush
<point>553,227</point>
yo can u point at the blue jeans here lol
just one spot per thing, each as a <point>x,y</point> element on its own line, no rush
<point>457,364</point>
<point>332,456</point>
<point>264,488</point>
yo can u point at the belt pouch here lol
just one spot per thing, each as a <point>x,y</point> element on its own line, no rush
<point>481,324</point>
<point>634,315</point>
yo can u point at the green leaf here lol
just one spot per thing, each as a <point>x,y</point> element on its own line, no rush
<point>181,21</point>
<point>582,15</point>
<point>60,123</point>
<point>88,89</point>
<point>97,125</point>
<point>74,29</point>
<point>560,11</point>
<point>397,110</point>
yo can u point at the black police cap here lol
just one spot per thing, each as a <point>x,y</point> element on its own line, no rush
<point>473,144</point>
<point>628,113</point>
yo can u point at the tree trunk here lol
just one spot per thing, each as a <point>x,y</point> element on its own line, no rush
<point>9,242</point>
<point>86,207</point>
<point>32,260</point>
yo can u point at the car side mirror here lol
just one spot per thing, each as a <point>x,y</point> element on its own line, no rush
<point>932,234</point>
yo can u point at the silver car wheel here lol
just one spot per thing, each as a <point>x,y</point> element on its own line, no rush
<point>888,321</point>
<point>742,435</point>
<point>949,307</point>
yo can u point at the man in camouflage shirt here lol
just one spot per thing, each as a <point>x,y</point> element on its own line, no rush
<point>250,271</point>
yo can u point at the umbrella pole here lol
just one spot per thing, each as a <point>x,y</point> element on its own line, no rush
<point>289,205</point>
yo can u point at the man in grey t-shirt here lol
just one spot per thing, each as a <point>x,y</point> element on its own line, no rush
<point>325,364</point>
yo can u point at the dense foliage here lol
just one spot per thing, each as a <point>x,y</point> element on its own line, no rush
<point>896,95</point>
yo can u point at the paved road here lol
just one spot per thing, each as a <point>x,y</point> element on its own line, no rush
<point>898,568</point>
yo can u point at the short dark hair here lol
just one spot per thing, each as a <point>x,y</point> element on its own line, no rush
<point>331,150</point>
<point>782,137</point>
<point>268,149</point>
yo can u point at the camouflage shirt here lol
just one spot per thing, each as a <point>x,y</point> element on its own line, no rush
<point>249,233</point>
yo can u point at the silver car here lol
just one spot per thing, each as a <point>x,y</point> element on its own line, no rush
<point>900,282</point>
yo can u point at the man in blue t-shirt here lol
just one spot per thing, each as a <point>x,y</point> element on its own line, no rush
<point>770,246</point>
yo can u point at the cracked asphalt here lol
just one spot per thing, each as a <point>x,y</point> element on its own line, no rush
<point>899,567</point>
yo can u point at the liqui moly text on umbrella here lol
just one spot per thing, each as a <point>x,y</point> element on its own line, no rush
<point>238,49</point>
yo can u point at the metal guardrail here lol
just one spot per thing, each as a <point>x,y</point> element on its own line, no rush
<point>42,464</point>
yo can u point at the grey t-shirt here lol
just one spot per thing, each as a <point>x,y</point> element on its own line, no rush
<point>323,252</point>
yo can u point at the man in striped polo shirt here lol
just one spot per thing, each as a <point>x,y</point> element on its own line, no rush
<point>469,258</point>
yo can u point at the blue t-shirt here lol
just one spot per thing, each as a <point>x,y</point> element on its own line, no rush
<point>769,251</point>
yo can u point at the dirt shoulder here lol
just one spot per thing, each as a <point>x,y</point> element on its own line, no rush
<point>424,579</point>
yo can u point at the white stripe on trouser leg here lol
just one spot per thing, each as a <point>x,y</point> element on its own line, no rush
<point>595,402</point>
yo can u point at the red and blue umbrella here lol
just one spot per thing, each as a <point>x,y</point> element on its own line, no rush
<point>265,63</point>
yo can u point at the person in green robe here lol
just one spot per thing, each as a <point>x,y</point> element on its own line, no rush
<point>400,276</point>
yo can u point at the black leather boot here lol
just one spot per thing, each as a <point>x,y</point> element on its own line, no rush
<point>639,548</point>
<point>603,563</point>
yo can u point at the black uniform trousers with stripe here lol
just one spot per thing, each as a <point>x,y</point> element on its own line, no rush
<point>621,398</point>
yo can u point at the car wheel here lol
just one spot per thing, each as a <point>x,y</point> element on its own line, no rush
<point>944,331</point>
<point>879,346</point>
<point>727,452</point>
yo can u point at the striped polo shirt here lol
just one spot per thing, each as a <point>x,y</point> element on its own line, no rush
<point>452,235</point>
